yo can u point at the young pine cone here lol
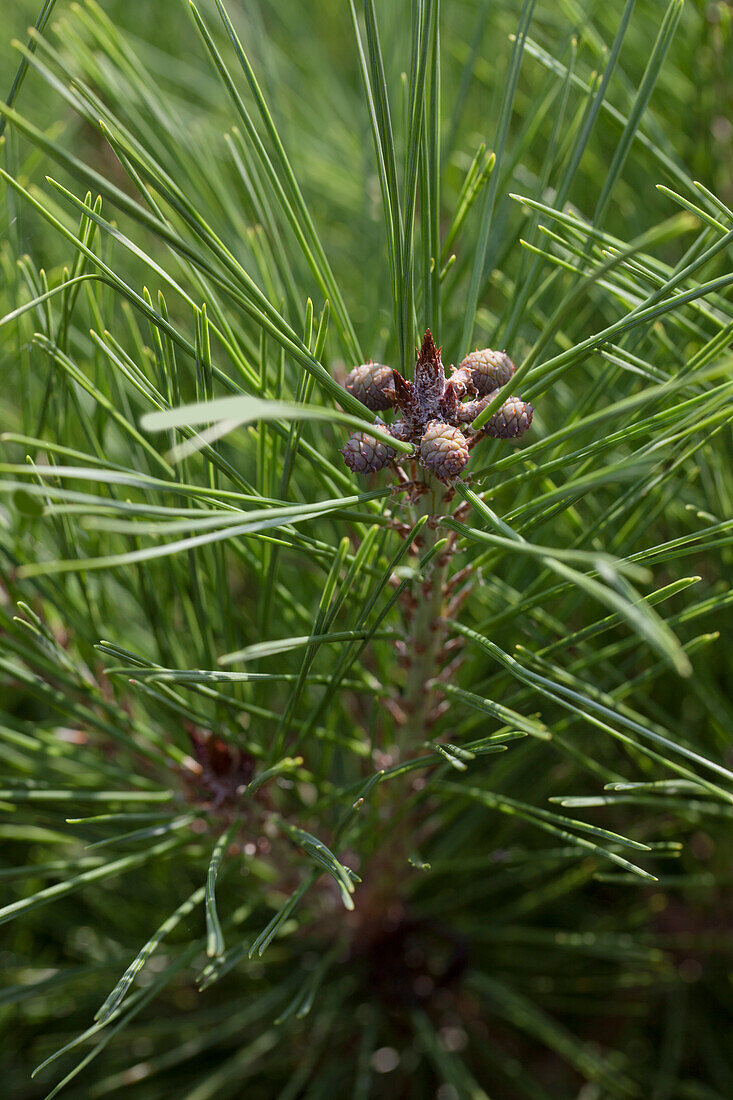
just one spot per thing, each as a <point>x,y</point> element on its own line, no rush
<point>488,369</point>
<point>373,385</point>
<point>401,429</point>
<point>365,455</point>
<point>432,410</point>
<point>443,450</point>
<point>512,419</point>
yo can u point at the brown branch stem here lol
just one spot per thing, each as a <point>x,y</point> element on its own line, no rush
<point>426,635</point>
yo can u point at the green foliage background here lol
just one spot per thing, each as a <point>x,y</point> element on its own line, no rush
<point>574,868</point>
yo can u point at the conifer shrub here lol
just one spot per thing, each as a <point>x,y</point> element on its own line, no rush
<point>365,545</point>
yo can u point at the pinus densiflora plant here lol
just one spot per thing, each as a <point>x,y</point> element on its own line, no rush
<point>405,782</point>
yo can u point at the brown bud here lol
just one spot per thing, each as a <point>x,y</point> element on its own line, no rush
<point>443,450</point>
<point>373,385</point>
<point>429,378</point>
<point>405,398</point>
<point>489,369</point>
<point>449,405</point>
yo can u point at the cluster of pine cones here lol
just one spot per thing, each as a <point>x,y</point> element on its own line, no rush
<point>435,415</point>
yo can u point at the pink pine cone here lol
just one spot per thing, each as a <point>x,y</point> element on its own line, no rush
<point>401,429</point>
<point>511,420</point>
<point>365,455</point>
<point>373,385</point>
<point>432,410</point>
<point>489,369</point>
<point>443,450</point>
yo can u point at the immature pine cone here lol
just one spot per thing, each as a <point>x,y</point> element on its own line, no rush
<point>512,419</point>
<point>373,385</point>
<point>443,450</point>
<point>489,369</point>
<point>365,455</point>
<point>432,410</point>
<point>401,429</point>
